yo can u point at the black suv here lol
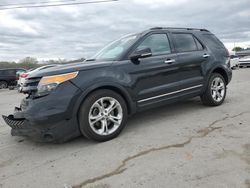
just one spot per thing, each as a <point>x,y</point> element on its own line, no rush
<point>137,72</point>
<point>8,77</point>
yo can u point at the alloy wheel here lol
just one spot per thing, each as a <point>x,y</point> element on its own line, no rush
<point>218,89</point>
<point>105,116</point>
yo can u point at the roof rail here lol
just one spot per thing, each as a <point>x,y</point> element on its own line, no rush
<point>156,28</point>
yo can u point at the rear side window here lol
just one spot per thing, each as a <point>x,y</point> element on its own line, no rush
<point>9,72</point>
<point>213,41</point>
<point>184,42</point>
<point>3,72</point>
<point>158,43</point>
<point>46,67</point>
<point>199,45</point>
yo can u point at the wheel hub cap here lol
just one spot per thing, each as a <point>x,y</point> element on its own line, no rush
<point>105,116</point>
<point>218,89</point>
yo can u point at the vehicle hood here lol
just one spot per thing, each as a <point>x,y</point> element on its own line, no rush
<point>72,67</point>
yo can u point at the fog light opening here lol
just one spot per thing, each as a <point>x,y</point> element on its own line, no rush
<point>48,137</point>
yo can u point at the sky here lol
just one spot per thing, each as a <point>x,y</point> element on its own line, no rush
<point>73,32</point>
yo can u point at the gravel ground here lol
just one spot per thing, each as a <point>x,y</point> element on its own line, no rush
<point>180,145</point>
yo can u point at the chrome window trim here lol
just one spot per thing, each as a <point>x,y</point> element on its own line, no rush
<point>171,93</point>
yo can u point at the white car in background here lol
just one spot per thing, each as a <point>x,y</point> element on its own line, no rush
<point>244,62</point>
<point>23,76</point>
<point>234,61</point>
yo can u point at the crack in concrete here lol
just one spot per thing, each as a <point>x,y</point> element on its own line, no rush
<point>122,167</point>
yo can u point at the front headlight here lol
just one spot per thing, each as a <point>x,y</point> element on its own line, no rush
<point>49,83</point>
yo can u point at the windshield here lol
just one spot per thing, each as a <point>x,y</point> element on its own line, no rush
<point>115,49</point>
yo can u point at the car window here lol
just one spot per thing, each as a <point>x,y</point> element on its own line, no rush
<point>20,71</point>
<point>10,72</point>
<point>158,43</point>
<point>4,72</point>
<point>47,67</point>
<point>213,41</point>
<point>184,42</point>
<point>115,49</point>
<point>199,45</point>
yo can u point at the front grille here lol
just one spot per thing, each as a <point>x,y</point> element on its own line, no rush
<point>30,86</point>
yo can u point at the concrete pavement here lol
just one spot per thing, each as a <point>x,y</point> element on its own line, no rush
<point>179,145</point>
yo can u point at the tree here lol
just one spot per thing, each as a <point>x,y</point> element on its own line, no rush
<point>29,60</point>
<point>237,48</point>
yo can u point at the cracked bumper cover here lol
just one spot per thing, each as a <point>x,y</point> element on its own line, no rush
<point>47,119</point>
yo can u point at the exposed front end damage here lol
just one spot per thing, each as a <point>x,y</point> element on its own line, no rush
<point>48,118</point>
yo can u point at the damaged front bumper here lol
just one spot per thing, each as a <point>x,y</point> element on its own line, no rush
<point>21,127</point>
<point>57,132</point>
<point>47,119</point>
<point>14,123</point>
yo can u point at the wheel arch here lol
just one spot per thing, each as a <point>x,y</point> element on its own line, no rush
<point>131,105</point>
<point>222,72</point>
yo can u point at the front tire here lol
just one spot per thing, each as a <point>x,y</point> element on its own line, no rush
<point>215,92</point>
<point>102,115</point>
<point>3,84</point>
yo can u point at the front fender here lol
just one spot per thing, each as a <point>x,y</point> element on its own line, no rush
<point>106,85</point>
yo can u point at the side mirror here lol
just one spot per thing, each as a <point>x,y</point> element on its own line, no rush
<point>144,53</point>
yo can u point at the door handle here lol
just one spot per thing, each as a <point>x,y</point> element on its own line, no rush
<point>169,61</point>
<point>206,55</point>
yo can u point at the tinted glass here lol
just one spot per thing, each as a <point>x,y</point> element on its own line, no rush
<point>184,42</point>
<point>213,42</point>
<point>199,45</point>
<point>11,72</point>
<point>18,72</point>
<point>8,72</point>
<point>4,72</point>
<point>158,43</point>
<point>47,67</point>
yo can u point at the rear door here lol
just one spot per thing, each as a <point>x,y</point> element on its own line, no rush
<point>191,56</point>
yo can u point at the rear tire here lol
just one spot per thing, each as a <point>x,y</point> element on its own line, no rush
<point>102,115</point>
<point>215,92</point>
<point>3,84</point>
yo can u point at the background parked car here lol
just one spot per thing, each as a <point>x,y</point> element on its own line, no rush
<point>234,61</point>
<point>8,77</point>
<point>23,76</point>
<point>244,62</point>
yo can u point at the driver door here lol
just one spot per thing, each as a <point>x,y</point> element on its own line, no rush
<point>154,75</point>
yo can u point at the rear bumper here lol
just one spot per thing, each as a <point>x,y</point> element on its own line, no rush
<point>47,119</point>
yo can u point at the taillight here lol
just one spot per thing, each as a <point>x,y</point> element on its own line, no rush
<point>25,75</point>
